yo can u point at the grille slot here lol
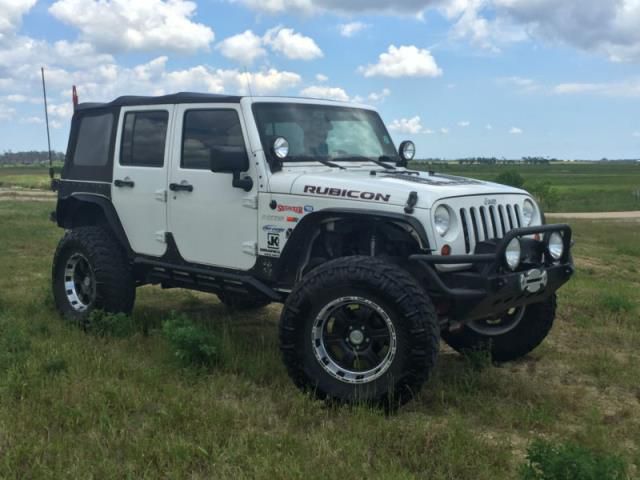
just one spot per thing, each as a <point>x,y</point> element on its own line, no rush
<point>484,223</point>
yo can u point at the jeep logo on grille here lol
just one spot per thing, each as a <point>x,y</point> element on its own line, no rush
<point>490,201</point>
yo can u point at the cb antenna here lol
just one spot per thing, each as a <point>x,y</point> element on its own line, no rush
<point>246,75</point>
<point>46,117</point>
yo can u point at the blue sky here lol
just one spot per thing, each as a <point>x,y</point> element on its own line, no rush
<point>459,77</point>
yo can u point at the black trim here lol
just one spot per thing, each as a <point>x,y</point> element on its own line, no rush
<point>181,97</point>
<point>66,188</point>
<point>68,206</point>
<point>490,287</point>
<point>297,244</point>
<point>172,270</point>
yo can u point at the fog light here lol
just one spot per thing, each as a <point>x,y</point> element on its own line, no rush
<point>513,254</point>
<point>555,245</point>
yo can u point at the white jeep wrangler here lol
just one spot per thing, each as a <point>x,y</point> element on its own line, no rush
<point>308,203</point>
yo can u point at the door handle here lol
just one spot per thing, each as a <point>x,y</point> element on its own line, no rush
<point>124,183</point>
<point>180,187</point>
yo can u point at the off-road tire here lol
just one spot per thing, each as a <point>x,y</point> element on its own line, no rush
<point>238,301</point>
<point>404,301</point>
<point>528,334</point>
<point>115,290</point>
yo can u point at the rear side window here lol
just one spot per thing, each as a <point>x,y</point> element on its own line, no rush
<point>143,138</point>
<point>94,137</point>
<point>207,129</point>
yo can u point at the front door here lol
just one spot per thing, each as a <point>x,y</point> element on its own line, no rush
<point>140,169</point>
<point>211,221</point>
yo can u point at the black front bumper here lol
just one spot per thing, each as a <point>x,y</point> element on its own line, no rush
<point>489,287</point>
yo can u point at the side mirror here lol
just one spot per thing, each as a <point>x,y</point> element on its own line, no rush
<point>231,160</point>
<point>228,159</point>
<point>407,151</point>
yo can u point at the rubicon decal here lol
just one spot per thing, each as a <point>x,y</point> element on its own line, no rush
<point>289,208</point>
<point>339,192</point>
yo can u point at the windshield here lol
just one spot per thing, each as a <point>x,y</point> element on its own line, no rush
<point>325,132</point>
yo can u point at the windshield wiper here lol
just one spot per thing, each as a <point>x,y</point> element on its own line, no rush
<point>369,159</point>
<point>323,161</point>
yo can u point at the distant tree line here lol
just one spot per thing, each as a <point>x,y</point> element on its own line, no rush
<point>29,158</point>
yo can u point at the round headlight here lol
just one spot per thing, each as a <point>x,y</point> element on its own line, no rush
<point>281,148</point>
<point>513,254</point>
<point>528,211</point>
<point>442,220</point>
<point>407,150</point>
<point>555,245</point>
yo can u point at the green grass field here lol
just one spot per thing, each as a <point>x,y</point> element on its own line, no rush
<point>576,187</point>
<point>78,405</point>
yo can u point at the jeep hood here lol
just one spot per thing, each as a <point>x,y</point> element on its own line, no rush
<point>388,187</point>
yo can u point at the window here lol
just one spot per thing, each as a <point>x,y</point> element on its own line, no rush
<point>94,138</point>
<point>323,131</point>
<point>207,130</point>
<point>143,138</point>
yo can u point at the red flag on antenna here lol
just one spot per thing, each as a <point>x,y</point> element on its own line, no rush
<point>74,95</point>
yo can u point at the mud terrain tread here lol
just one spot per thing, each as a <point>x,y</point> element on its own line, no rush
<point>531,331</point>
<point>390,282</point>
<point>115,285</point>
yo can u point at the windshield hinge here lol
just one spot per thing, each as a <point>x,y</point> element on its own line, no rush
<point>250,248</point>
<point>411,202</point>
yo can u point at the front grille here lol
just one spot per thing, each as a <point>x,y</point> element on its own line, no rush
<point>488,222</point>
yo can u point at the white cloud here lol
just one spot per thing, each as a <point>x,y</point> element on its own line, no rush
<point>243,48</point>
<point>522,84</point>
<point>292,45</point>
<point>488,126</point>
<point>321,78</point>
<point>444,131</point>
<point>428,131</point>
<point>619,89</point>
<point>606,27</point>
<point>403,61</point>
<point>329,93</point>
<point>601,26</point>
<point>379,96</point>
<point>121,25</point>
<point>515,131</point>
<point>352,28</point>
<point>464,124</point>
<point>410,126</point>
<point>11,13</point>
<point>6,113</point>
<point>32,120</point>
<point>636,134</point>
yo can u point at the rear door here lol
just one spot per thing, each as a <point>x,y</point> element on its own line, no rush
<point>140,176</point>
<point>212,222</point>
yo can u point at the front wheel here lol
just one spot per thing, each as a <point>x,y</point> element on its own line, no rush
<point>510,336</point>
<point>359,329</point>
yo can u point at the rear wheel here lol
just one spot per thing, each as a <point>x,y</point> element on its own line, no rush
<point>90,271</point>
<point>510,336</point>
<point>359,329</point>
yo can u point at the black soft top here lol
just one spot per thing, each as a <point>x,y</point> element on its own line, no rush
<point>182,97</point>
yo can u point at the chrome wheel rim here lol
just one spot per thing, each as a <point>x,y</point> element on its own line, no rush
<point>79,282</point>
<point>492,327</point>
<point>354,340</point>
